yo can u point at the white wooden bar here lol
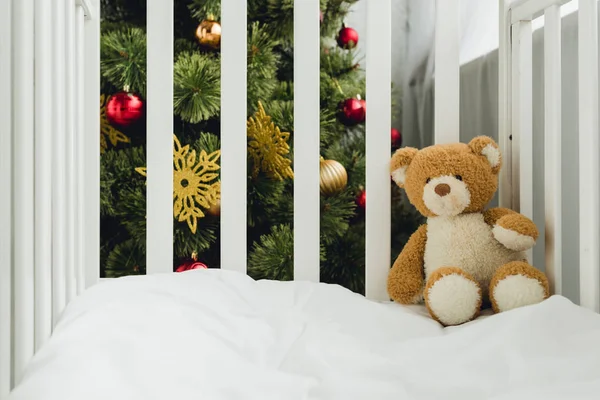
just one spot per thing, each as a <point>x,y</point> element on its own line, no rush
<point>528,10</point>
<point>505,187</point>
<point>59,209</point>
<point>6,236</point>
<point>306,141</point>
<point>447,73</point>
<point>522,125</point>
<point>80,228</point>
<point>159,248</point>
<point>589,177</point>
<point>552,147</point>
<point>43,172</point>
<point>92,147</point>
<point>23,186</point>
<point>70,90</point>
<point>233,136</point>
<point>378,144</point>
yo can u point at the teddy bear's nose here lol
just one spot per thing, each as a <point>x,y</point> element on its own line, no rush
<point>442,189</point>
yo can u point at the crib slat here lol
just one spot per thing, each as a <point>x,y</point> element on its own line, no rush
<point>522,125</point>
<point>43,172</point>
<point>58,162</point>
<point>6,167</point>
<point>80,228</point>
<point>306,141</point>
<point>233,135</point>
<point>23,184</point>
<point>70,149</point>
<point>552,140</point>
<point>378,211</point>
<point>589,188</point>
<point>159,248</point>
<point>447,74</point>
<point>91,145</point>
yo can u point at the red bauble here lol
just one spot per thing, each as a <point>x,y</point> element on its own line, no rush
<point>124,109</point>
<point>396,137</point>
<point>347,38</point>
<point>361,199</point>
<point>189,265</point>
<point>353,111</point>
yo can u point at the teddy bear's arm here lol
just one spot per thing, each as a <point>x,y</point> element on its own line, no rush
<point>405,281</point>
<point>513,230</point>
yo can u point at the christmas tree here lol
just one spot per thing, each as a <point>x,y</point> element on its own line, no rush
<point>196,108</point>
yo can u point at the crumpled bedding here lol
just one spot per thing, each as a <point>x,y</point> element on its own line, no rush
<point>213,334</point>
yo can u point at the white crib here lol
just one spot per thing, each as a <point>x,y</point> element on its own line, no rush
<point>49,200</point>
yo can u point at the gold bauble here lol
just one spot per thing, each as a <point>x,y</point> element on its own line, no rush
<point>209,34</point>
<point>215,209</point>
<point>333,177</point>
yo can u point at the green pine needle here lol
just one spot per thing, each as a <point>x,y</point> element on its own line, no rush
<point>273,257</point>
<point>203,9</point>
<point>197,87</point>
<point>123,59</point>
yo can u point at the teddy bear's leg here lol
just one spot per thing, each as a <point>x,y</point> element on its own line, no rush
<point>452,296</point>
<point>517,284</point>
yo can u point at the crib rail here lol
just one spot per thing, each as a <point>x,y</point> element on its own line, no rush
<point>516,133</point>
<point>47,178</point>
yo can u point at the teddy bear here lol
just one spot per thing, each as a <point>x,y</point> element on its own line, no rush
<point>464,257</point>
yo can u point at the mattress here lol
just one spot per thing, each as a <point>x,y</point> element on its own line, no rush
<point>211,334</point>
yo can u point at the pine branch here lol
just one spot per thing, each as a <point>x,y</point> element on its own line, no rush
<point>206,9</point>
<point>273,257</point>
<point>123,59</point>
<point>345,264</point>
<point>262,65</point>
<point>197,87</point>
<point>127,258</point>
<point>336,212</point>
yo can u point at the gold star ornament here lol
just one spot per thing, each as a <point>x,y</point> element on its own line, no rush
<point>195,183</point>
<point>268,147</point>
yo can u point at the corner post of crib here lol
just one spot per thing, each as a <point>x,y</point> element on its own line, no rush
<point>504,101</point>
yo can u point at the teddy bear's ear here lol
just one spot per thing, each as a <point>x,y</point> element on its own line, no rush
<point>400,162</point>
<point>485,146</point>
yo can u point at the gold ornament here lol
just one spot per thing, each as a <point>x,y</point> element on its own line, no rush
<point>333,177</point>
<point>268,147</point>
<point>194,185</point>
<point>215,209</point>
<point>208,34</point>
<point>107,130</point>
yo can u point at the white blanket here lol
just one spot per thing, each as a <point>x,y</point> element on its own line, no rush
<point>210,334</point>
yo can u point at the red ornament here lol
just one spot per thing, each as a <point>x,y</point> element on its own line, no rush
<point>347,38</point>
<point>353,111</point>
<point>361,199</point>
<point>189,265</point>
<point>124,109</point>
<point>396,137</point>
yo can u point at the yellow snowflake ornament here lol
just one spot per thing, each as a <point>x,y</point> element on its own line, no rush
<point>268,147</point>
<point>107,130</point>
<point>194,183</point>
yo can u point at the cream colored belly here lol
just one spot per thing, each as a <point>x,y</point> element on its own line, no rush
<point>466,242</point>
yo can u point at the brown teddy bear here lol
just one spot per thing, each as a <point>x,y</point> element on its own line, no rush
<point>463,256</point>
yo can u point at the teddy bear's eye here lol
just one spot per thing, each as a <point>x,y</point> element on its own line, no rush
<point>428,180</point>
<point>458,177</point>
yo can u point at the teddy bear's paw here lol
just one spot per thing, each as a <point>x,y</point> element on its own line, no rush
<point>452,296</point>
<point>516,232</point>
<point>517,284</point>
